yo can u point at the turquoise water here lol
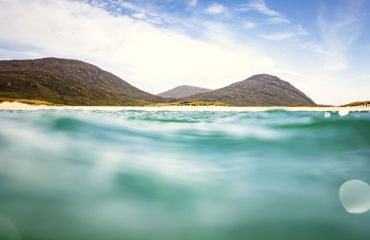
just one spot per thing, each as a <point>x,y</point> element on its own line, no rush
<point>180,175</point>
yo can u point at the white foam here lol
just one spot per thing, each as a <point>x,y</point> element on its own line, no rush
<point>343,112</point>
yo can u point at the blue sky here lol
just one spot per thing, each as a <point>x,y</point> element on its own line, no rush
<point>320,46</point>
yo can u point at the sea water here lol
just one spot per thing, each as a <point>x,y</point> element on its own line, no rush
<point>166,175</point>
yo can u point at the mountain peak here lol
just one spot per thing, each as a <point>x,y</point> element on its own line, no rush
<point>183,91</point>
<point>263,76</point>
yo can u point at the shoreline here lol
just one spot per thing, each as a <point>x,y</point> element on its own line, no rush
<point>29,107</point>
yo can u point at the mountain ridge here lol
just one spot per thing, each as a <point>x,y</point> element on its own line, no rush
<point>183,91</point>
<point>74,82</point>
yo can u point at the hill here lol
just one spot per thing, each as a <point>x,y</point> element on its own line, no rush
<point>357,104</point>
<point>70,82</point>
<point>73,82</point>
<point>258,90</point>
<point>183,91</point>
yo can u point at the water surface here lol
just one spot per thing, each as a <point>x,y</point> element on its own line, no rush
<point>73,174</point>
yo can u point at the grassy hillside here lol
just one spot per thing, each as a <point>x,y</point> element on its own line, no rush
<point>73,82</point>
<point>65,81</point>
<point>258,90</point>
<point>58,89</point>
<point>356,104</point>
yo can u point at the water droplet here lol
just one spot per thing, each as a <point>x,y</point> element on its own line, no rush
<point>355,196</point>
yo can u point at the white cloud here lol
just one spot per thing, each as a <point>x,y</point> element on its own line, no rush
<point>114,4</point>
<point>144,13</point>
<point>128,5</point>
<point>278,20</point>
<point>285,35</point>
<point>249,24</point>
<point>139,15</point>
<point>216,8</point>
<point>260,7</point>
<point>312,46</point>
<point>339,33</point>
<point>148,57</point>
<point>193,3</point>
<point>155,59</point>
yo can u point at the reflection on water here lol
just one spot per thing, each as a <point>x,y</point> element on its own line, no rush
<point>180,175</point>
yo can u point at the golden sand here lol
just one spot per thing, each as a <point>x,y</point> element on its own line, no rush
<point>23,106</point>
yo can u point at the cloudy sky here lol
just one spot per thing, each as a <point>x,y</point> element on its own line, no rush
<point>320,46</point>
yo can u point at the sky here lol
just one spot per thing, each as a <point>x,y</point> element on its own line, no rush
<point>320,46</point>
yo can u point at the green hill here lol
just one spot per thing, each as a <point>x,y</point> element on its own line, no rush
<point>69,82</point>
<point>73,82</point>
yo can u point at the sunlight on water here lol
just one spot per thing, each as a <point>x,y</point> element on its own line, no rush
<point>181,175</point>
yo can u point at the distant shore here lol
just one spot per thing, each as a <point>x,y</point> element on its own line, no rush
<point>23,106</point>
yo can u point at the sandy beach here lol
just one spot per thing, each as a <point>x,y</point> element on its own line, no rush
<point>23,106</point>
